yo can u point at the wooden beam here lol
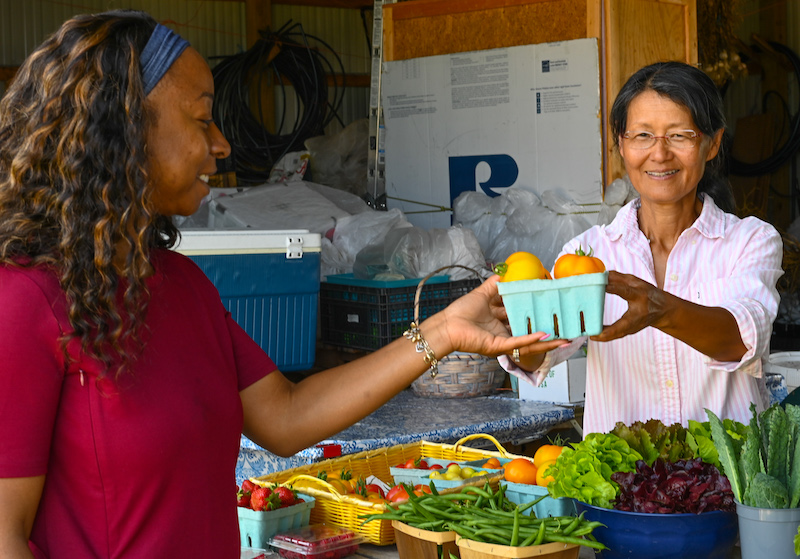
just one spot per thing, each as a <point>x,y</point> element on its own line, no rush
<point>258,16</point>
<point>355,4</point>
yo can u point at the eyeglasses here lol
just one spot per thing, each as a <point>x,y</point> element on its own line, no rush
<point>682,139</point>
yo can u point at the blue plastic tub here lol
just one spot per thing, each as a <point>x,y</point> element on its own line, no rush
<point>709,535</point>
<point>564,308</point>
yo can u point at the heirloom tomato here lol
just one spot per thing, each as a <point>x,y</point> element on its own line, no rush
<point>520,470</point>
<point>577,263</point>
<point>521,266</point>
<point>546,453</point>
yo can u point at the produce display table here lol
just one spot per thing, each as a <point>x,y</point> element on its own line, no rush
<point>408,419</point>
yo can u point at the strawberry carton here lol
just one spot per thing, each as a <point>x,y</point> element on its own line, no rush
<point>317,541</point>
<point>265,511</point>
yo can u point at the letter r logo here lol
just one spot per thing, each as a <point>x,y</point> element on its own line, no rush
<point>464,178</point>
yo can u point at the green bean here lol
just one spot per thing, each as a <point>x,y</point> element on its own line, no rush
<point>537,538</point>
<point>573,540</point>
<point>515,529</point>
<point>431,525</point>
<point>478,490</point>
<point>574,524</point>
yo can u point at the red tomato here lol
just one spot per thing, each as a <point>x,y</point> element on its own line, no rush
<point>451,463</point>
<point>397,493</point>
<point>436,467</point>
<point>422,465</point>
<point>409,463</point>
<point>400,465</point>
<point>419,489</point>
<point>375,489</point>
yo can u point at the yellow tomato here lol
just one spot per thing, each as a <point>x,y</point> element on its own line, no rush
<point>340,486</point>
<point>546,453</point>
<point>543,478</point>
<point>521,266</point>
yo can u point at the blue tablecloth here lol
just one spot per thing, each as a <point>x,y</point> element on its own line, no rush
<point>408,419</point>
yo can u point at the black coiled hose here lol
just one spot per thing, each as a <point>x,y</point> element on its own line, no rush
<point>783,154</point>
<point>282,58</point>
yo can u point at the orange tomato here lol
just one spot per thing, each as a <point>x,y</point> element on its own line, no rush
<point>578,263</point>
<point>520,470</point>
<point>543,478</point>
<point>546,453</point>
<point>521,266</point>
<point>491,463</point>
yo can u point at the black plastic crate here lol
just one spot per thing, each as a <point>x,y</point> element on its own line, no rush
<point>358,316</point>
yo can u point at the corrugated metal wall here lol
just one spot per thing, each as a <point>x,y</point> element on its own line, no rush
<point>214,28</point>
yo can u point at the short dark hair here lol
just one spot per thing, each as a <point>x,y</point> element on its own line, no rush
<point>692,88</point>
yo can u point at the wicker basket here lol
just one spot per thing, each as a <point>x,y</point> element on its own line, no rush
<point>462,375</point>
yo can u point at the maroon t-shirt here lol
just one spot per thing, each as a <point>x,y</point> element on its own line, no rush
<point>143,467</point>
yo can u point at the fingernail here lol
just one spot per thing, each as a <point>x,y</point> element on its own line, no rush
<point>544,337</point>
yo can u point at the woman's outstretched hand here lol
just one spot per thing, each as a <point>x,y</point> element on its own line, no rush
<point>477,323</point>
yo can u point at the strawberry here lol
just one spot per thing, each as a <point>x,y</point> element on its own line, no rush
<point>259,499</point>
<point>248,485</point>
<point>243,499</point>
<point>287,496</point>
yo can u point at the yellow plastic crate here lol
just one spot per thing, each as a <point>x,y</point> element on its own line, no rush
<point>332,507</point>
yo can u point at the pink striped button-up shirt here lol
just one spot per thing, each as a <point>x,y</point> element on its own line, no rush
<point>720,261</point>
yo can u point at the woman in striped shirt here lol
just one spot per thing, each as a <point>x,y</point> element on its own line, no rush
<point>691,292</point>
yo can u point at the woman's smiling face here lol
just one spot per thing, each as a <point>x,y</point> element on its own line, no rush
<point>183,143</point>
<point>663,174</point>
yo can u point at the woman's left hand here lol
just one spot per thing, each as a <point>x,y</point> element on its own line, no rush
<point>477,323</point>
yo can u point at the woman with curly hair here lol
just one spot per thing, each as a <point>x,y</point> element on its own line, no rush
<point>126,383</point>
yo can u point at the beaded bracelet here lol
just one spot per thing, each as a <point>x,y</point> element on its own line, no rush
<point>415,335</point>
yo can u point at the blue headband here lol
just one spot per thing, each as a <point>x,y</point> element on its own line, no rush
<point>163,47</point>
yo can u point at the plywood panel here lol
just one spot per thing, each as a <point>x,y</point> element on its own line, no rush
<point>638,33</point>
<point>433,27</point>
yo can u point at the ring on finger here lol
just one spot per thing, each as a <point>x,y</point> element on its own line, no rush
<point>515,355</point>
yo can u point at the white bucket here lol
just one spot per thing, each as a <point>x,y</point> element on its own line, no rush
<point>786,363</point>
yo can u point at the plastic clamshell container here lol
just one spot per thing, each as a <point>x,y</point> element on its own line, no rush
<point>255,553</point>
<point>269,281</point>
<point>413,543</point>
<point>471,549</point>
<point>257,527</point>
<point>522,493</point>
<point>317,541</point>
<point>564,308</point>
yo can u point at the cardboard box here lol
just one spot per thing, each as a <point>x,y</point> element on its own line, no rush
<point>269,281</point>
<point>518,117</point>
<point>566,382</point>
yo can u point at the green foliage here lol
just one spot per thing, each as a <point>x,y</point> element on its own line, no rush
<point>767,492</point>
<point>764,471</point>
<point>728,457</point>
<point>653,439</point>
<point>584,471</point>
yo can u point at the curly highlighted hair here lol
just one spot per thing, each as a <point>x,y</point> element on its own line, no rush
<point>73,177</point>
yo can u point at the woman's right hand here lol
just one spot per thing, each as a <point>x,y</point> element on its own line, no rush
<point>19,500</point>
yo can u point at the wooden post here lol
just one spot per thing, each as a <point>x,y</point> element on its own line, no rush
<point>258,14</point>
